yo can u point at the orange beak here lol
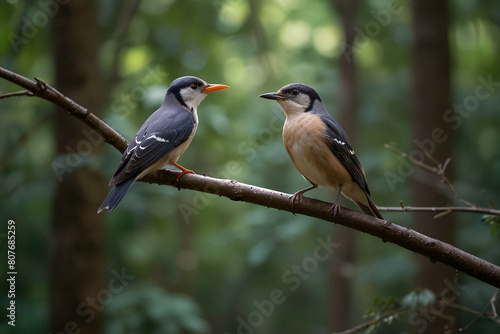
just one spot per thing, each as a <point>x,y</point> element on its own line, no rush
<point>213,88</point>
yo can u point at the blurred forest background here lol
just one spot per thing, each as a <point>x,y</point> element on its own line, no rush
<point>169,261</point>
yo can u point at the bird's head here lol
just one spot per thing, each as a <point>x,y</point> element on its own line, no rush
<point>190,91</point>
<point>295,98</point>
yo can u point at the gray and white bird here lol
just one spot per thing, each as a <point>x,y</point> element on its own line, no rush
<point>162,139</point>
<point>319,147</point>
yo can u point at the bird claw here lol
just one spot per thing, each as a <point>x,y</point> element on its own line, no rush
<point>335,209</point>
<point>297,197</point>
<point>175,182</point>
<point>185,171</point>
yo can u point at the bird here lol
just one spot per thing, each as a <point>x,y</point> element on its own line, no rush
<point>320,149</point>
<point>163,137</point>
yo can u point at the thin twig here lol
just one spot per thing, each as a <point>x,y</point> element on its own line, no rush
<point>440,170</point>
<point>492,303</point>
<point>413,160</point>
<point>489,199</point>
<point>480,315</point>
<point>474,209</point>
<point>446,163</point>
<point>41,89</point>
<point>442,214</point>
<point>372,322</point>
<point>450,185</point>
<point>430,157</point>
<point>20,93</point>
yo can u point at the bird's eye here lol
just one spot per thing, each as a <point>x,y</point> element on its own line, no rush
<point>295,92</point>
<point>193,86</point>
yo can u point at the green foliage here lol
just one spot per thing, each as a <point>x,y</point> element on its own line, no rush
<point>493,222</point>
<point>382,305</point>
<point>418,299</point>
<point>150,308</point>
<point>386,310</point>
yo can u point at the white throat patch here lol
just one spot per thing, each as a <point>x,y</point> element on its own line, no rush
<point>192,98</point>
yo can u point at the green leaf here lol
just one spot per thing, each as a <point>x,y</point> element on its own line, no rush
<point>493,222</point>
<point>418,298</point>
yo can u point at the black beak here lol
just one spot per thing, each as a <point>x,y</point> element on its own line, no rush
<point>272,96</point>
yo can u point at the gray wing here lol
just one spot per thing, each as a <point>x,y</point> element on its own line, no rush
<point>340,146</point>
<point>161,133</point>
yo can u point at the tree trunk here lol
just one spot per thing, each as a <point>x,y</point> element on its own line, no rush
<point>347,107</point>
<point>77,234</point>
<point>431,73</point>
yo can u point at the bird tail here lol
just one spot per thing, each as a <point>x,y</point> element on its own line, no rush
<point>370,209</point>
<point>116,194</point>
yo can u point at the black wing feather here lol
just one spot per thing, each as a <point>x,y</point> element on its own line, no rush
<point>340,146</point>
<point>160,134</point>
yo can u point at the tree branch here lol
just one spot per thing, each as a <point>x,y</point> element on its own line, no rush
<point>412,240</point>
<point>21,93</point>
<point>365,325</point>
<point>41,89</point>
<point>439,170</point>
<point>442,209</point>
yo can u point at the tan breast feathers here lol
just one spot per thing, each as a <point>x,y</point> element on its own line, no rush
<point>304,137</point>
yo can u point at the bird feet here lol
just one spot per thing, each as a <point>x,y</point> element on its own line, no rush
<point>184,171</point>
<point>297,197</point>
<point>336,205</point>
<point>335,209</point>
